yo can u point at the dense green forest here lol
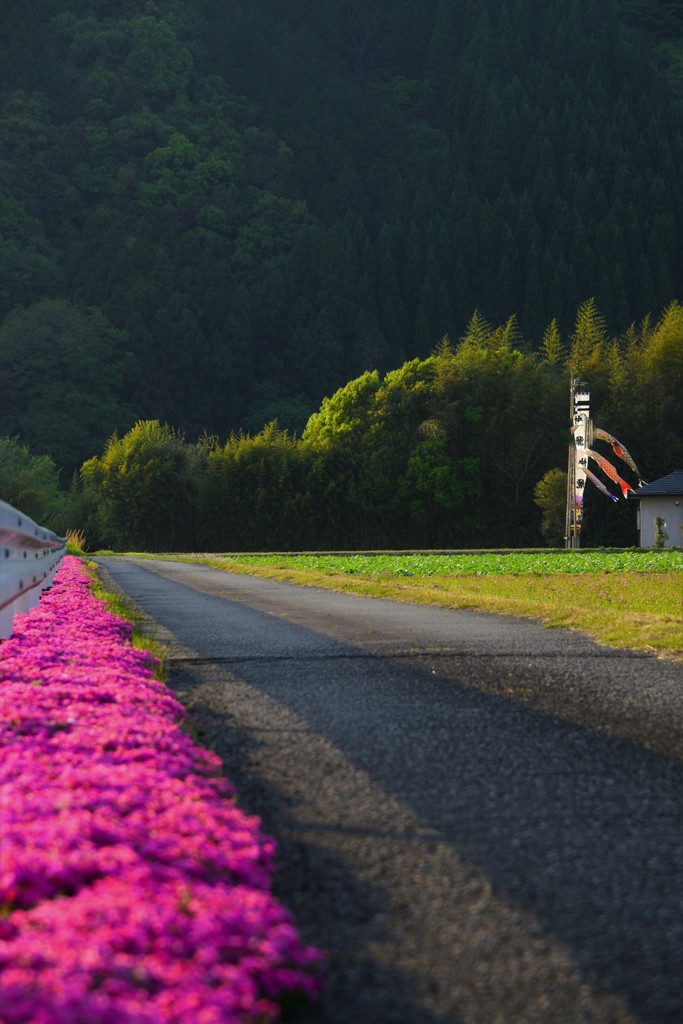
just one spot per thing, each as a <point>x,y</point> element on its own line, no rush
<point>214,215</point>
<point>446,451</point>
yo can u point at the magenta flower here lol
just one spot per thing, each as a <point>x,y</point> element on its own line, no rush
<point>133,890</point>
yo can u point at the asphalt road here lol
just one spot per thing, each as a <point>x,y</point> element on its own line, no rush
<point>479,819</point>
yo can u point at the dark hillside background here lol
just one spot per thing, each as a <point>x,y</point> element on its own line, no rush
<point>215,214</point>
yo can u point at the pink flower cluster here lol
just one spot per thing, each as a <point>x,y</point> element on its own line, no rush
<point>132,889</point>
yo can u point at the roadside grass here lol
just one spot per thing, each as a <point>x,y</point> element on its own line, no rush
<point>118,605</point>
<point>629,599</point>
<point>75,543</point>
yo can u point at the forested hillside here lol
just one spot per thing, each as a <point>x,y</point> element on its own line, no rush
<point>241,206</point>
<point>216,214</point>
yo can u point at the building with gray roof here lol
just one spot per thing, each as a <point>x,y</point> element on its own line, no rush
<point>660,511</point>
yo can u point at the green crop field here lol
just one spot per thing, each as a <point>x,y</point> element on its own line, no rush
<point>475,564</point>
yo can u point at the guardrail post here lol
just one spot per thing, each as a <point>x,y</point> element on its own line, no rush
<point>29,558</point>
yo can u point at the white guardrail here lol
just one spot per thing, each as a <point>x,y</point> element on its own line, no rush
<point>29,558</point>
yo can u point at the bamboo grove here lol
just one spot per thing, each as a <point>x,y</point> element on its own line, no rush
<point>448,451</point>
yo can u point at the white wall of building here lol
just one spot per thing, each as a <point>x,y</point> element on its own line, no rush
<point>670,509</point>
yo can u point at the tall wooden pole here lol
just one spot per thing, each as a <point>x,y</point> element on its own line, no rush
<point>570,537</point>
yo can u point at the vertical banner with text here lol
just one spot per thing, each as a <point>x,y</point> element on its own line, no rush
<point>578,461</point>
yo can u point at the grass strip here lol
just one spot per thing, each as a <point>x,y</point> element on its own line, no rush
<point>122,608</point>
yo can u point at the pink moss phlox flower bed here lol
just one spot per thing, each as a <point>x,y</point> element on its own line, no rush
<point>132,889</point>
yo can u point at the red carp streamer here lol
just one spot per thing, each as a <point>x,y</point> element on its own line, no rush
<point>609,470</point>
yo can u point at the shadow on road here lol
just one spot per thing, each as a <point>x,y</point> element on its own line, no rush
<point>333,907</point>
<point>580,829</point>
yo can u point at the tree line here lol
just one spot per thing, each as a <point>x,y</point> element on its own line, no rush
<point>445,451</point>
